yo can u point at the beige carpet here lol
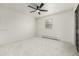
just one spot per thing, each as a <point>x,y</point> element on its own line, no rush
<point>38,47</point>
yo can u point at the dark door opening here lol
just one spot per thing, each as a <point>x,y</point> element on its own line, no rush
<point>77,27</point>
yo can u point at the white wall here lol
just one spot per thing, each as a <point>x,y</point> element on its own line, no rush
<point>63,26</point>
<point>15,25</point>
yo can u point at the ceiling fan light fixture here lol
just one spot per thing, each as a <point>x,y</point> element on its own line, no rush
<point>38,8</point>
<point>37,11</point>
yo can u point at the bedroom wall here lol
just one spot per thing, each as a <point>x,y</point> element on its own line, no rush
<point>63,26</point>
<point>15,25</point>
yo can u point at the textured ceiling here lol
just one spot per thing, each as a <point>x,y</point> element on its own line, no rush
<point>51,7</point>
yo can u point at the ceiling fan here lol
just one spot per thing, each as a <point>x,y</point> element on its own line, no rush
<point>38,8</point>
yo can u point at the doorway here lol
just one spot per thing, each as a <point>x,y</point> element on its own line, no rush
<point>77,27</point>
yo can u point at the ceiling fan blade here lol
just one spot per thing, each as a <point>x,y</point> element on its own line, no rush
<point>39,13</point>
<point>41,5</point>
<point>37,7</point>
<point>44,10</point>
<point>31,7</point>
<point>32,11</point>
